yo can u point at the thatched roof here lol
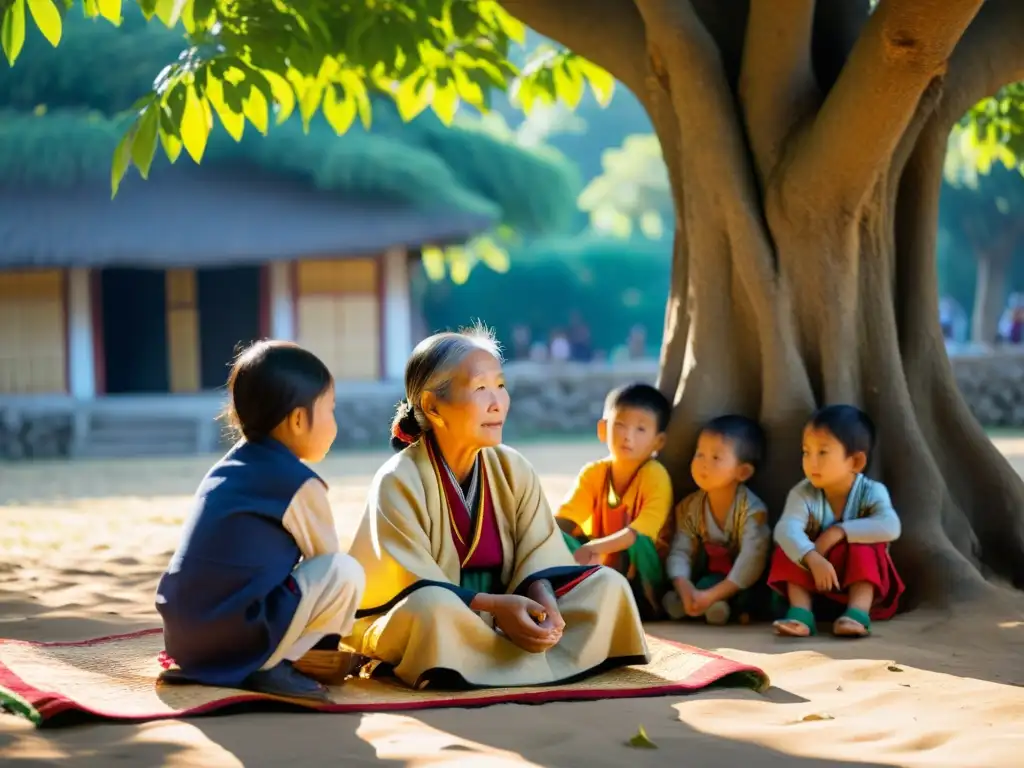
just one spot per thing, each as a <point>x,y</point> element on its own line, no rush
<point>317,193</point>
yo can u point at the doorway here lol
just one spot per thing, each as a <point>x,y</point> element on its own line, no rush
<point>134,327</point>
<point>230,303</point>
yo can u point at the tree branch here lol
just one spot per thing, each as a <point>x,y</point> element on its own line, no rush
<point>713,152</point>
<point>904,45</point>
<point>990,55</point>
<point>608,32</point>
<point>777,85</point>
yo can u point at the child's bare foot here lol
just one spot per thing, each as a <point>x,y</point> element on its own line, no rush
<point>853,623</point>
<point>799,622</point>
<point>717,614</point>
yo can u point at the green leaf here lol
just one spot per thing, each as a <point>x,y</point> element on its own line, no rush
<point>12,33</point>
<point>195,126</point>
<point>310,101</point>
<point>144,144</point>
<point>233,122</point>
<point>171,145</point>
<point>601,82</point>
<point>256,109</point>
<point>459,264</point>
<point>641,741</point>
<point>569,83</point>
<point>169,11</point>
<point>47,18</point>
<point>445,102</point>
<point>339,112</point>
<point>433,263</point>
<point>122,159</point>
<point>284,95</point>
<point>412,96</point>
<point>463,17</point>
<point>110,10</point>
<point>491,254</point>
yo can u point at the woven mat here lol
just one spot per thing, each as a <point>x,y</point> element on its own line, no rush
<point>115,678</point>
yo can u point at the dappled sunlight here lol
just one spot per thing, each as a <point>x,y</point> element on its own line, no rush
<point>407,739</point>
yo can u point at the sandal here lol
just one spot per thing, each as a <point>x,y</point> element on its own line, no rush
<point>799,622</point>
<point>853,623</point>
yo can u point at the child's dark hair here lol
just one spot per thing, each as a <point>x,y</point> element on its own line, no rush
<point>642,396</point>
<point>269,380</point>
<point>849,425</point>
<point>745,435</point>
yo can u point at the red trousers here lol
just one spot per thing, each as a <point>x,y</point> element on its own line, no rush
<point>853,563</point>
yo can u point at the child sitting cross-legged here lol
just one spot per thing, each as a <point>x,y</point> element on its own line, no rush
<point>721,540</point>
<point>834,534</point>
<point>615,511</point>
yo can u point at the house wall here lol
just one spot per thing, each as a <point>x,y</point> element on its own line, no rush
<point>338,315</point>
<point>182,330</point>
<point>33,332</point>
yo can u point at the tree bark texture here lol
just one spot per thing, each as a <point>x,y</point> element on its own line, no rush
<point>805,141</point>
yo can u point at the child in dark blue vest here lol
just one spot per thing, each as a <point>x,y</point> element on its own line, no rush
<point>258,580</point>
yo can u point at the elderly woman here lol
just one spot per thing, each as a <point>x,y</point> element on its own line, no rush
<point>468,579</point>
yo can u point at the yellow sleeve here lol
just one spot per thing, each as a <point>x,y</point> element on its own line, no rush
<point>578,506</point>
<point>654,500</point>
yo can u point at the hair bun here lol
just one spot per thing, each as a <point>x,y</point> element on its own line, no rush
<point>405,429</point>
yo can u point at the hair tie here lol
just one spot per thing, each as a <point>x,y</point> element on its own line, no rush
<point>405,409</point>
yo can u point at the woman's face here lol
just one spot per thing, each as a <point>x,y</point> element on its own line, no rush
<point>474,413</point>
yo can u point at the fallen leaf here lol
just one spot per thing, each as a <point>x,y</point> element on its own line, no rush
<point>816,716</point>
<point>641,741</point>
<point>894,668</point>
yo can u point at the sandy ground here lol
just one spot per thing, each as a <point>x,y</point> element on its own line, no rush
<point>83,545</point>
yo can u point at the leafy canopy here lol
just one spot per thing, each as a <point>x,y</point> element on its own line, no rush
<point>259,61</point>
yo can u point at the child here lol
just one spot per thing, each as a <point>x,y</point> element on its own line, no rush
<point>721,543</point>
<point>615,511</point>
<point>834,533</point>
<point>238,606</point>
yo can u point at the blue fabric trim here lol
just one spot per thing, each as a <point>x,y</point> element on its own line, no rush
<point>558,576</point>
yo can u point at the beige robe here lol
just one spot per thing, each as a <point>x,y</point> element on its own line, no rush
<point>405,539</point>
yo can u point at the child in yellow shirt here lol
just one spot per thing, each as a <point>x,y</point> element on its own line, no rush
<point>615,511</point>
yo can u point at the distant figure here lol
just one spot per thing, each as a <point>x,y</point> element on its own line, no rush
<point>539,352</point>
<point>581,348</point>
<point>521,342</point>
<point>637,343</point>
<point>952,319</point>
<point>258,579</point>
<point>561,349</point>
<point>1011,324</point>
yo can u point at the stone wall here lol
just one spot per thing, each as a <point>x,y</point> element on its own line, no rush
<point>547,401</point>
<point>30,434</point>
<point>551,400</point>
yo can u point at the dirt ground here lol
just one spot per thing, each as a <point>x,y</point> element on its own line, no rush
<point>84,543</point>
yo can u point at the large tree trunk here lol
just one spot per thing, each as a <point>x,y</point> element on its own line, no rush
<point>805,145</point>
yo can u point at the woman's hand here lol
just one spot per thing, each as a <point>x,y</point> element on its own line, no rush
<point>542,592</point>
<point>514,615</point>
